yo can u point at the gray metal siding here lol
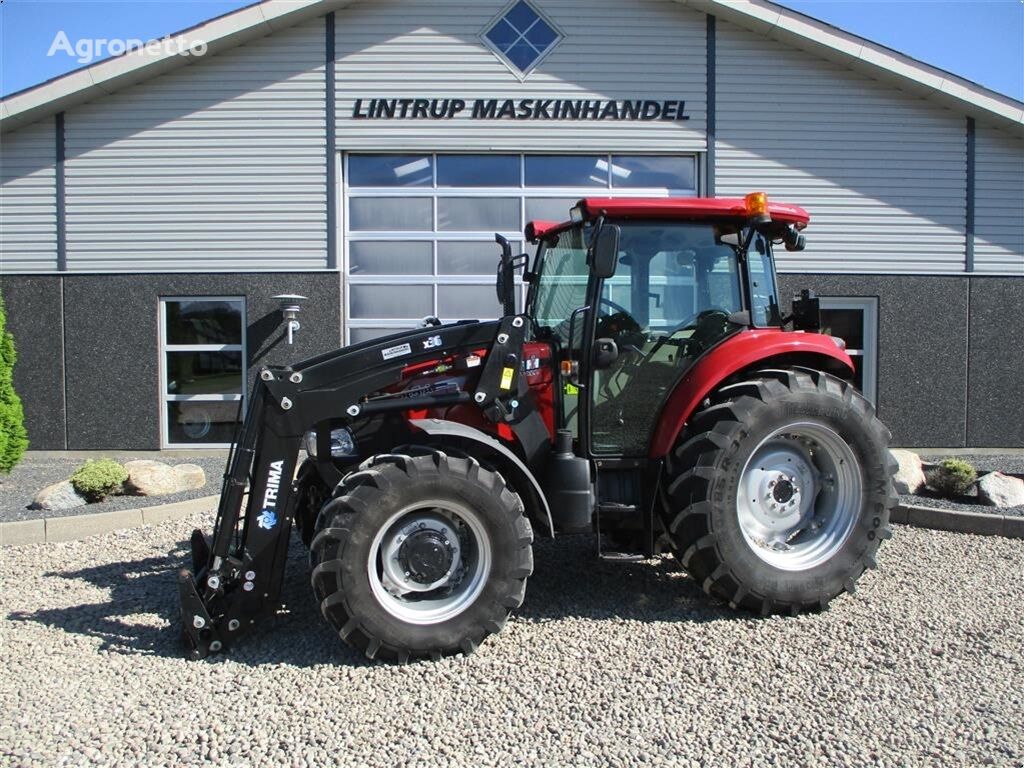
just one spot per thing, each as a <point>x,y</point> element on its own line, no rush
<point>28,199</point>
<point>999,203</point>
<point>651,49</point>
<point>220,165</point>
<point>882,173</point>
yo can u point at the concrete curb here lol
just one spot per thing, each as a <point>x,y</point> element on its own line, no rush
<point>980,524</point>
<point>75,527</point>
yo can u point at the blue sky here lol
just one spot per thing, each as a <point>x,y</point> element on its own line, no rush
<point>981,40</point>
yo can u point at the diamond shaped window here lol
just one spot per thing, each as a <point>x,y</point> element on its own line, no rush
<point>521,36</point>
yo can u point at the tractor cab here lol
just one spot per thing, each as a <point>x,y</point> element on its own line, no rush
<point>634,292</point>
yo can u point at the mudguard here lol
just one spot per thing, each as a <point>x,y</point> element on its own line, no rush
<point>771,346</point>
<point>520,475</point>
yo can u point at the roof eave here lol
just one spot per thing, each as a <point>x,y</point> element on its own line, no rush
<point>876,61</point>
<point>107,77</point>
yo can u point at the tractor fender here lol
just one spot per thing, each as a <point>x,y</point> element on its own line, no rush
<point>515,471</point>
<point>771,346</point>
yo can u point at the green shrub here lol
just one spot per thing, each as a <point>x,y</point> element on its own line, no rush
<point>953,477</point>
<point>95,480</point>
<point>13,437</point>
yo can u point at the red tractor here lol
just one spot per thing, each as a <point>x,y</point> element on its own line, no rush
<point>652,392</point>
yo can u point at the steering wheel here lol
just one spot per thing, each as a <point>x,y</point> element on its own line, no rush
<point>613,305</point>
<point>694,321</point>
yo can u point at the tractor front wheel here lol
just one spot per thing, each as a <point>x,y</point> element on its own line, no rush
<point>420,555</point>
<point>779,493</point>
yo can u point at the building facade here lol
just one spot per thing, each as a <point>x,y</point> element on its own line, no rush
<point>363,154</point>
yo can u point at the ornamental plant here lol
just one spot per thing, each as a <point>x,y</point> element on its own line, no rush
<point>953,477</point>
<point>13,437</point>
<point>95,480</point>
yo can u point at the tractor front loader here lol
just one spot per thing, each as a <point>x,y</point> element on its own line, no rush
<point>650,392</point>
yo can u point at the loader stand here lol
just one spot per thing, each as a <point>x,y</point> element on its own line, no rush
<point>237,576</point>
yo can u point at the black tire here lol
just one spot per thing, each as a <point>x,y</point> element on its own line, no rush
<point>364,503</point>
<point>311,495</point>
<point>700,503</point>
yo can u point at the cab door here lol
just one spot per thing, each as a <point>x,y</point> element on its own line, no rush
<point>669,301</point>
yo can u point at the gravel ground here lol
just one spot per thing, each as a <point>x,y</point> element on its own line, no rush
<point>605,664</point>
<point>1010,464</point>
<point>34,473</point>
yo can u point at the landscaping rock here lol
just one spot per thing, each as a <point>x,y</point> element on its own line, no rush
<point>998,490</point>
<point>910,476</point>
<point>155,478</point>
<point>58,496</point>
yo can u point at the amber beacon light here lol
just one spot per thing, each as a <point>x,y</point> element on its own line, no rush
<point>756,204</point>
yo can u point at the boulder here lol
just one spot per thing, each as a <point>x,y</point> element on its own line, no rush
<point>155,478</point>
<point>910,475</point>
<point>58,496</point>
<point>998,490</point>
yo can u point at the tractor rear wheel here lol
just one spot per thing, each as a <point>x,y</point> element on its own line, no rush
<point>420,555</point>
<point>779,492</point>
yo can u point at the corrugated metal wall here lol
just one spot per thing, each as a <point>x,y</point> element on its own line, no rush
<point>999,202</point>
<point>650,49</point>
<point>882,173</point>
<point>28,208</point>
<point>220,165</point>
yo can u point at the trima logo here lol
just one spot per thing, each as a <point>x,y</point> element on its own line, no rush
<point>268,517</point>
<point>89,49</point>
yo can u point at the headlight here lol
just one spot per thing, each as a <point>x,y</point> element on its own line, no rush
<point>343,444</point>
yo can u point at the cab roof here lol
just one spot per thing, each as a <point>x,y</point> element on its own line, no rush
<point>708,208</point>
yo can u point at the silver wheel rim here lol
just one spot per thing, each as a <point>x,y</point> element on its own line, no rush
<point>400,593</point>
<point>799,497</point>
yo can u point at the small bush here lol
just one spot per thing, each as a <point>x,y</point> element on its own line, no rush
<point>95,480</point>
<point>953,477</point>
<point>13,438</point>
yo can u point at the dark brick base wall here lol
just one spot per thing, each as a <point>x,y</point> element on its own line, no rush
<point>111,346</point>
<point>950,355</point>
<point>995,364</point>
<point>950,360</point>
<point>35,317</point>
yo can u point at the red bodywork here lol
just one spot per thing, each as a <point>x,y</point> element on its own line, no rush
<point>702,208</point>
<point>741,351</point>
<point>537,366</point>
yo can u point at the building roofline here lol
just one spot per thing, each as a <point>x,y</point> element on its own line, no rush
<point>868,57</point>
<point>760,16</point>
<point>113,74</point>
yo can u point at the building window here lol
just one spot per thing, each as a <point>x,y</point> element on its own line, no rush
<point>854,319</point>
<point>203,369</point>
<point>419,228</point>
<point>521,37</point>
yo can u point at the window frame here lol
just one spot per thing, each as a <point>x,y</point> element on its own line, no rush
<point>520,74</point>
<point>521,192</point>
<point>164,348</point>
<point>868,306</point>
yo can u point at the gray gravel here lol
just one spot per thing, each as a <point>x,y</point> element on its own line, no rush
<point>34,473</point>
<point>605,664</point>
<point>1010,464</point>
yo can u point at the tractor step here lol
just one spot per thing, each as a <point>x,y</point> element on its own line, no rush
<point>622,557</point>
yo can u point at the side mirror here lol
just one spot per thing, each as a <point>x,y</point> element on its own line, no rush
<point>605,251</point>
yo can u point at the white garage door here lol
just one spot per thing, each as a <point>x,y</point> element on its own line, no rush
<point>419,228</point>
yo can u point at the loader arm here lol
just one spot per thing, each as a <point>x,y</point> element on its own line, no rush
<point>237,577</point>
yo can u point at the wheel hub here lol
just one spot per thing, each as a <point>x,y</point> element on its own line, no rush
<point>426,555</point>
<point>421,554</point>
<point>799,495</point>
